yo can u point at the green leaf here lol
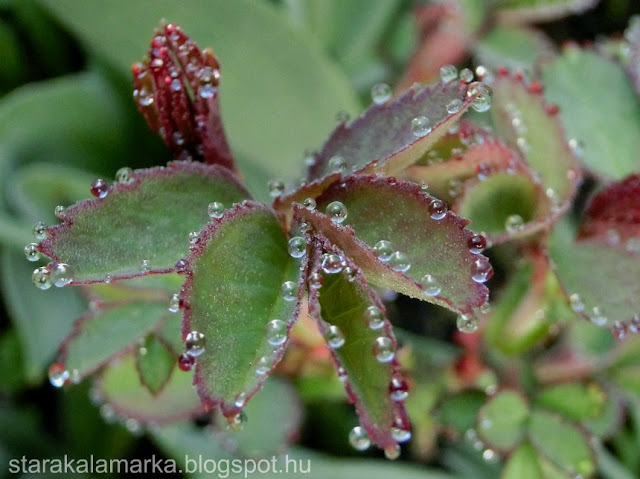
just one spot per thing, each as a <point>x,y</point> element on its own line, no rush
<point>461,410</point>
<point>562,443</point>
<point>274,418</point>
<point>516,48</point>
<point>42,320</point>
<point>522,120</point>
<point>520,317</point>
<point>101,334</point>
<point>155,363</point>
<point>248,37</point>
<point>11,379</point>
<point>607,423</point>
<point>342,307</point>
<point>236,275</point>
<point>574,400</point>
<point>148,219</point>
<point>521,11</point>
<point>119,387</point>
<point>603,276</point>
<point>502,421</point>
<point>523,464</point>
<point>390,210</point>
<point>588,88</point>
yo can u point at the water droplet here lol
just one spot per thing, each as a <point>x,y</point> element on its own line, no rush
<point>420,126</point>
<point>454,106</point>
<point>240,400</point>
<point>634,324</point>
<point>186,362</point>
<point>342,116</point>
<point>309,204</point>
<point>58,374</point>
<point>59,211</point>
<point>181,266</point>
<point>466,323</point>
<point>383,250</point>
<point>424,188</point>
<point>334,337</point>
<point>481,270</point>
<point>577,147</point>
<point>398,389</point>
<point>392,452</point>
<point>276,332</point>
<point>514,223</point>
<point>40,230</point>
<point>437,209</point>
<point>99,188</point>
<point>484,95</point>
<point>174,303</point>
<point>309,157</point>
<point>237,422</point>
<point>466,75</point>
<point>275,187</point>
<point>597,317</point>
<point>297,247</point>
<point>144,97</point>
<point>399,262</point>
<point>195,343</point>
<point>632,245</point>
<point>332,263</point>
<point>61,274</point>
<point>619,330</point>
<point>207,91</point>
<point>380,93</point>
<point>400,435</point>
<point>576,303</point>
<point>289,291</point>
<point>489,455</point>
<point>215,210</point>
<point>337,211</point>
<point>41,278</point>
<point>359,439</point>
<point>315,280</point>
<point>124,175</point>
<point>263,366</point>
<point>383,349</point>
<point>337,164</point>
<point>342,374</point>
<point>374,318</point>
<point>144,266</point>
<point>194,236</point>
<point>350,273</point>
<point>430,285</point>
<point>477,244</point>
<point>31,252</point>
<point>448,73</point>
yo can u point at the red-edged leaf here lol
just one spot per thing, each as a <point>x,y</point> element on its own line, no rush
<point>530,126</point>
<point>528,11</point>
<point>119,388</point>
<point>398,212</point>
<point>176,90</point>
<point>106,332</point>
<point>234,290</point>
<point>600,277</point>
<point>155,363</point>
<point>614,214</point>
<point>340,306</point>
<point>147,218</point>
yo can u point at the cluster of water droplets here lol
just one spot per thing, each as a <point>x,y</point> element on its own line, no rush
<point>53,274</point>
<point>596,315</point>
<point>397,260</point>
<point>194,343</point>
<point>488,454</point>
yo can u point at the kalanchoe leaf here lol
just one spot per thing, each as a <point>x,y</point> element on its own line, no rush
<point>600,278</point>
<point>613,215</point>
<point>459,412</point>
<point>351,317</point>
<point>106,332</point>
<point>155,363</point>
<point>563,444</point>
<point>389,137</point>
<point>523,464</point>
<point>575,401</point>
<point>242,293</point>
<point>527,11</point>
<point>530,126</point>
<point>502,420</point>
<point>118,386</point>
<point>147,219</point>
<point>176,90</point>
<point>380,209</point>
<point>575,81</point>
